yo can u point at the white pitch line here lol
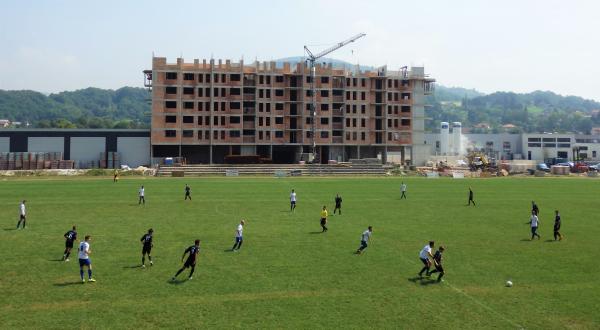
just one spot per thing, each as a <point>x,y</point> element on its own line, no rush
<point>518,326</point>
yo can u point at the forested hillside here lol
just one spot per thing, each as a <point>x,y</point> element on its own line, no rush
<point>532,112</point>
<point>125,107</point>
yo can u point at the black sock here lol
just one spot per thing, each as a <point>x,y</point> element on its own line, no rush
<point>67,255</point>
<point>240,245</point>
<point>192,270</point>
<point>143,260</point>
<point>179,272</point>
<point>440,276</point>
<point>423,270</point>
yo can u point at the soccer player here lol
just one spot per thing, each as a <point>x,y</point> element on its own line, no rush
<point>188,192</point>
<point>437,262</point>
<point>147,247</point>
<point>70,238</point>
<point>471,197</point>
<point>115,176</point>
<point>324,218</point>
<point>403,190</point>
<point>191,260</point>
<point>141,195</point>
<point>364,239</point>
<point>424,255</point>
<point>22,215</point>
<point>292,200</point>
<point>534,208</point>
<point>338,204</point>
<point>534,221</point>
<point>557,234</point>
<point>239,239</point>
<point>84,258</point>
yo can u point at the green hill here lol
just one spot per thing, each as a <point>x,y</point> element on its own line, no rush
<point>539,111</point>
<point>125,107</point>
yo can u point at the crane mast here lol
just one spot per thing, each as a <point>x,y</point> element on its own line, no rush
<point>313,105</point>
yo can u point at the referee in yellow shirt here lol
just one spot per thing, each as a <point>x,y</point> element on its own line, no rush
<point>324,218</point>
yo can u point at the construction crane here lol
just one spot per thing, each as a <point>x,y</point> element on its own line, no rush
<point>313,104</point>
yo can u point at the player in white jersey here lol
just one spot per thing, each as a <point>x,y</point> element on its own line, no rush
<point>141,193</point>
<point>22,215</point>
<point>403,190</point>
<point>364,239</point>
<point>424,255</point>
<point>534,222</point>
<point>84,252</point>
<point>239,239</point>
<point>292,200</point>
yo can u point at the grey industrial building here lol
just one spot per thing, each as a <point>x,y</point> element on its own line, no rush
<point>84,146</point>
<point>529,146</point>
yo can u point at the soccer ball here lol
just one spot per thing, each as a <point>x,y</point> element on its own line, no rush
<point>509,283</point>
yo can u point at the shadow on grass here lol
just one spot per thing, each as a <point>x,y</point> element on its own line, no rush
<point>177,281</point>
<point>55,260</point>
<point>316,232</point>
<point>228,250</point>
<point>550,241</point>
<point>8,229</point>
<point>423,280</point>
<point>526,240</point>
<point>68,283</point>
<point>429,281</point>
<point>131,267</point>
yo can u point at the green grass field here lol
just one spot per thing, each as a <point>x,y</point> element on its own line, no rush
<point>288,274</point>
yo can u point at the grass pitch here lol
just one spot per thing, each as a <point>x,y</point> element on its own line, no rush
<point>288,274</point>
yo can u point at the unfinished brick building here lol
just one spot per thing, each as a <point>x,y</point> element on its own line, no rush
<point>207,110</point>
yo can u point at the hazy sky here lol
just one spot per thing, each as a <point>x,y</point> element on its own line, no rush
<point>516,45</point>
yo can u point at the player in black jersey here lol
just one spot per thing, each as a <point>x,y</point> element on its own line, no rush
<point>471,197</point>
<point>188,192</point>
<point>557,223</point>
<point>147,247</point>
<point>437,261</point>
<point>191,260</point>
<point>338,204</point>
<point>70,237</point>
<point>534,208</point>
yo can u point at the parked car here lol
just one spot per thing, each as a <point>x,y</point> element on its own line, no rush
<point>594,167</point>
<point>542,167</point>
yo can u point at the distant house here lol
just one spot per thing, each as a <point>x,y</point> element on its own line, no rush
<point>482,125</point>
<point>4,123</point>
<point>509,126</point>
<point>595,131</point>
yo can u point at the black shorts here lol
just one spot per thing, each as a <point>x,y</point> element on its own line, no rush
<point>338,206</point>
<point>323,221</point>
<point>22,217</point>
<point>425,261</point>
<point>146,249</point>
<point>189,263</point>
<point>293,202</point>
<point>69,244</point>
